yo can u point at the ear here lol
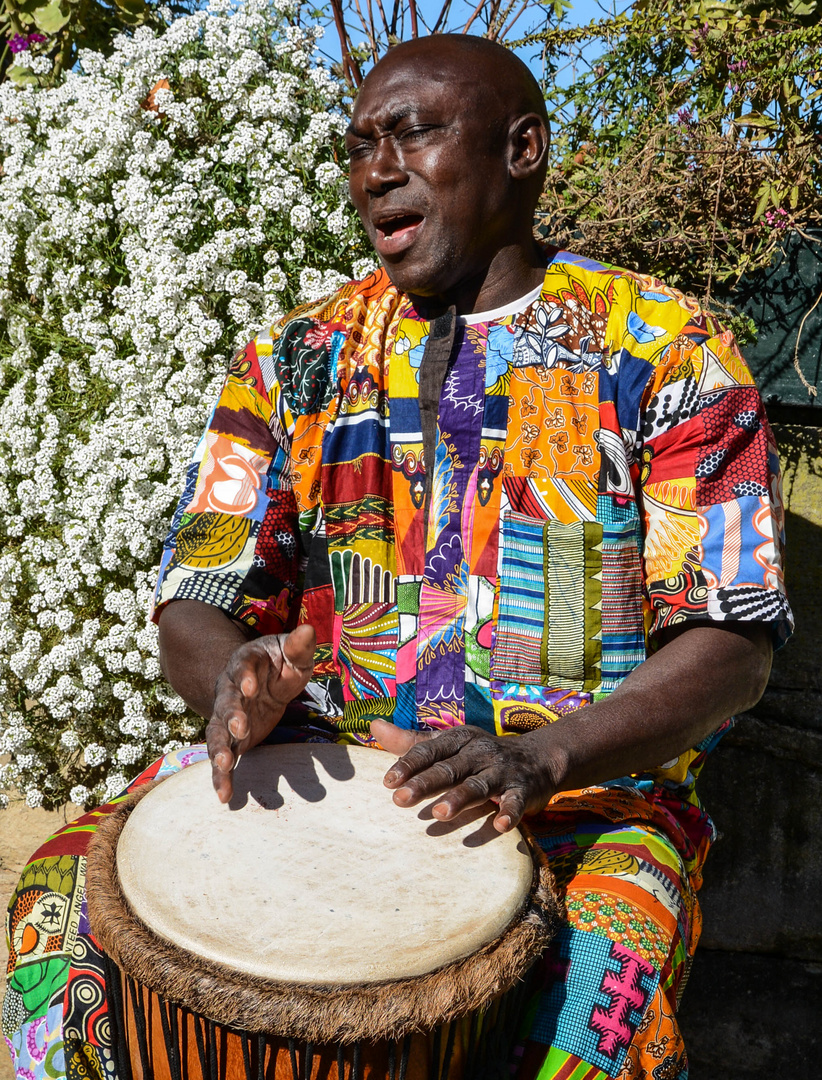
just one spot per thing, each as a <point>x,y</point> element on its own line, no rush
<point>528,141</point>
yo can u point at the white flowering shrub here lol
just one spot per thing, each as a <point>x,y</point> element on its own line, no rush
<point>156,209</point>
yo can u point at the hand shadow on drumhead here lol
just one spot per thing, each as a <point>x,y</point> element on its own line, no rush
<point>483,834</point>
<point>258,774</point>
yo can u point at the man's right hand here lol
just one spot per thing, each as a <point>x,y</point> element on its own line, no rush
<point>261,677</point>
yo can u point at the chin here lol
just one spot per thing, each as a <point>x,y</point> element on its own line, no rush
<point>414,281</point>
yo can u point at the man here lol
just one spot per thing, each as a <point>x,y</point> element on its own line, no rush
<point>494,490</point>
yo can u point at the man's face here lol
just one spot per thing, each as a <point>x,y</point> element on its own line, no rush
<point>428,175</point>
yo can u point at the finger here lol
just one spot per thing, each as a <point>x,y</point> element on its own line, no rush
<point>428,749</point>
<point>479,791</point>
<point>396,740</point>
<point>298,649</point>
<point>223,758</point>
<point>443,776</point>
<point>511,809</point>
<point>475,790</point>
<point>230,712</point>
<point>289,664</point>
<point>246,671</point>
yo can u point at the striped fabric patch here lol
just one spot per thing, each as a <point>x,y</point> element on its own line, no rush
<point>623,630</point>
<point>522,601</point>
<point>548,629</point>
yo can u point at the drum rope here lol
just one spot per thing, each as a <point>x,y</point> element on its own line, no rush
<point>245,1042</point>
<point>472,1043</point>
<point>449,1049</point>
<point>309,1059</point>
<point>292,1050</point>
<point>140,1024</point>
<point>212,1047</point>
<point>261,1045</point>
<point>200,1039</point>
<point>171,1034</point>
<point>406,1054</point>
<point>114,992</point>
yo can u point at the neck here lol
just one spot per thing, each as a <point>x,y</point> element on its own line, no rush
<point>512,273</point>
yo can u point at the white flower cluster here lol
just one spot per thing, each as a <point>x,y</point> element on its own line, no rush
<point>156,209</point>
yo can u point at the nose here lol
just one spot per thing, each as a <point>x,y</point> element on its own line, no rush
<point>384,168</point>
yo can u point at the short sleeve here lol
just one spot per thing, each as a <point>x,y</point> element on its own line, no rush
<point>710,486</point>
<point>234,540</point>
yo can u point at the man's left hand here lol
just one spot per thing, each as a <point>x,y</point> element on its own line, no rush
<point>468,767</point>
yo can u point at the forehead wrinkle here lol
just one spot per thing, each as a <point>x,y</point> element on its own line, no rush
<point>401,112</point>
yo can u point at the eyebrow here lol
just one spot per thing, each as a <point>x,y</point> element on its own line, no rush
<point>400,113</point>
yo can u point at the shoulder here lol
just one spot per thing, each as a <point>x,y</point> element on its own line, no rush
<point>299,353</point>
<point>645,316</point>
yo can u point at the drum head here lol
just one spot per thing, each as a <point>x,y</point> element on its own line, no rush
<point>312,874</point>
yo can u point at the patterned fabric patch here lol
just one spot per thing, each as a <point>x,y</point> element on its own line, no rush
<point>623,625</point>
<point>571,656</point>
<point>621,921</point>
<point>44,912</point>
<point>517,652</point>
<point>595,1009</point>
<point>86,1016</point>
<point>367,645</point>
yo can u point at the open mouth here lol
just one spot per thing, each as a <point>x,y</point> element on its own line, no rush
<point>395,234</point>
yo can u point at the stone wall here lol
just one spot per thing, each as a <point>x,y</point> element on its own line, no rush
<point>753,1006</point>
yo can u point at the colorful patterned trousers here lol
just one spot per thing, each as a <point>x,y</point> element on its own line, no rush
<point>605,998</point>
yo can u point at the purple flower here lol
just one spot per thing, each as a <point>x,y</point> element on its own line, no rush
<point>778,219</point>
<point>20,42</point>
<point>685,116</point>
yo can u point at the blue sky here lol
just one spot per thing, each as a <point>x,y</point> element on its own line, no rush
<point>581,12</point>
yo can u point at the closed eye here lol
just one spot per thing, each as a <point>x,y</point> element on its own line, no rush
<point>418,131</point>
<point>358,149</point>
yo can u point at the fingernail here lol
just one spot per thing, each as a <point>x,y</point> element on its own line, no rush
<point>504,822</point>
<point>391,777</point>
<point>232,729</point>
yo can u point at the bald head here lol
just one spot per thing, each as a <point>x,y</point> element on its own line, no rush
<point>488,72</point>
<point>448,150</point>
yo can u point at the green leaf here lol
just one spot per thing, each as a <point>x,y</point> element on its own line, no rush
<point>52,17</point>
<point>22,76</point>
<point>755,120</point>
<point>137,9</point>
<point>764,199</point>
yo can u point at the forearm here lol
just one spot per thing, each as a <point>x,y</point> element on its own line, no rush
<point>667,705</point>
<point>196,642</point>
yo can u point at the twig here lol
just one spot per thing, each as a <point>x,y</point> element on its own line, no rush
<point>443,15</point>
<point>351,69</point>
<point>797,367</point>
<point>474,14</point>
<point>713,234</point>
<point>507,29</point>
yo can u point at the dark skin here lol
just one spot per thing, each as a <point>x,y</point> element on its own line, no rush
<point>447,146</point>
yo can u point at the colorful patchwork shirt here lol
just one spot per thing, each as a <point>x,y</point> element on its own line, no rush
<point>602,469</point>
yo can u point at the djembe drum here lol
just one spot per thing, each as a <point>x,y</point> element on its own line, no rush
<point>311,929</point>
